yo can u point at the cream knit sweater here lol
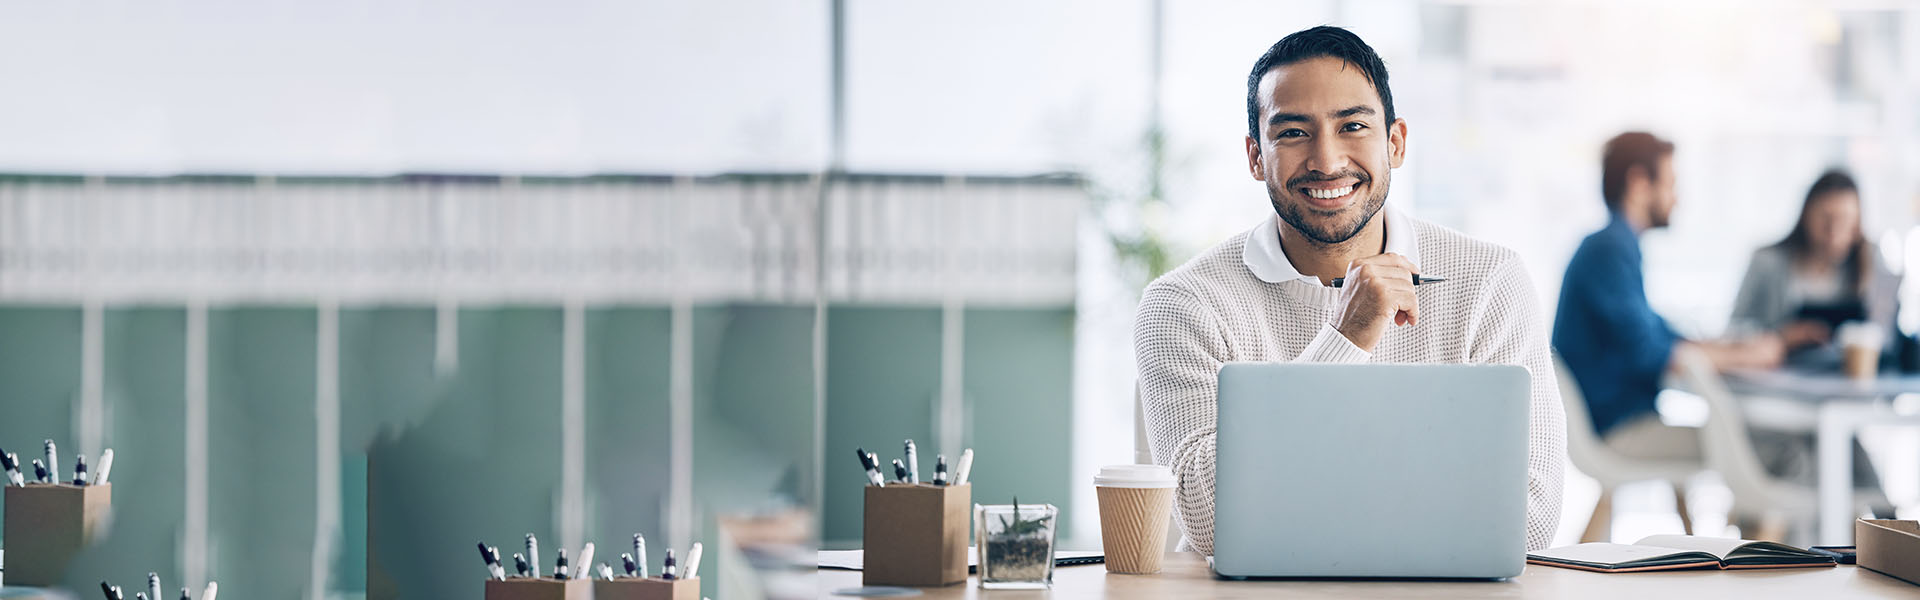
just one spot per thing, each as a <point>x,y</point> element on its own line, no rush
<point>1215,310</point>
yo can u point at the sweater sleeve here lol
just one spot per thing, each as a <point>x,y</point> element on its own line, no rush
<point>1512,331</point>
<point>1180,349</point>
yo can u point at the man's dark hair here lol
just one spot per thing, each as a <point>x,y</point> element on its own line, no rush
<point>1317,42</point>
<point>1622,154</point>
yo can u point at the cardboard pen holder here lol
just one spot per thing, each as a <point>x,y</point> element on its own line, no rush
<point>915,534</point>
<point>47,525</point>
<point>544,588</point>
<point>646,588</point>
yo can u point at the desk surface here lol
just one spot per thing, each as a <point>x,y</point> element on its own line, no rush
<point>1186,576</point>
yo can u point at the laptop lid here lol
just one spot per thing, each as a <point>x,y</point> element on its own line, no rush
<point>1370,470</point>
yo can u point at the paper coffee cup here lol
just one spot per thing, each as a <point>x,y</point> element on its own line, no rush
<point>1860,344</point>
<point>1135,503</point>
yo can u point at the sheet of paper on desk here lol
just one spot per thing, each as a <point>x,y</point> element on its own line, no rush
<point>851,560</point>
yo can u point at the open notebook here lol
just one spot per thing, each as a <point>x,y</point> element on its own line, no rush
<point>1670,552</point>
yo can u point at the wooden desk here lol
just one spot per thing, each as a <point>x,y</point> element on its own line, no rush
<point>1187,576</point>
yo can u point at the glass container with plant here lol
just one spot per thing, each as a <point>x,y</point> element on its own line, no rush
<point>1016,545</point>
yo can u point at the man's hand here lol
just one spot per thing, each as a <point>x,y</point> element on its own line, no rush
<point>1378,292</point>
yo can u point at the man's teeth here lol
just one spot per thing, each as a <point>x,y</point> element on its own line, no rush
<point>1330,194</point>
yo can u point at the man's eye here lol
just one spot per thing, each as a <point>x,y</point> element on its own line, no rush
<point>1292,133</point>
<point>1354,126</point>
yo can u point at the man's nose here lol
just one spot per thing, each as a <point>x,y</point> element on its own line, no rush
<point>1326,157</point>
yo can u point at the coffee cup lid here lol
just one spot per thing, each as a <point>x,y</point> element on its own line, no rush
<point>1134,476</point>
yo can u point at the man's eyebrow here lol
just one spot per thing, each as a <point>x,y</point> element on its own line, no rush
<point>1279,118</point>
<point>1354,110</point>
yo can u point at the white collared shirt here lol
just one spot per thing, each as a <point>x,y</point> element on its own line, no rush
<point>1269,262</point>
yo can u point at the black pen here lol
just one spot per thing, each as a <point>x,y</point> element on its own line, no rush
<point>666,570</point>
<point>899,471</point>
<point>560,567</point>
<point>184,595</point>
<point>492,558</point>
<point>626,560</point>
<point>12,463</point>
<point>112,593</point>
<point>80,469</point>
<point>1417,280</point>
<point>940,470</point>
<point>40,472</point>
<point>520,563</point>
<point>872,470</point>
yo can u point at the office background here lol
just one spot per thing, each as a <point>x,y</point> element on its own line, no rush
<point>360,284</point>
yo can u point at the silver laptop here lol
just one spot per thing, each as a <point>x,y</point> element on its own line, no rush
<point>1371,471</point>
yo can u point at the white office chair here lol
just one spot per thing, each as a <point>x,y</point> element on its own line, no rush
<point>1593,457</point>
<point>1757,496</point>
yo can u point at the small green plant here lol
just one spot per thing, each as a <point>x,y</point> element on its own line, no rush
<point>1022,526</point>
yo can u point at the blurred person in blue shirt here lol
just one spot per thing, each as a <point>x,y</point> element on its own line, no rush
<point>1607,333</point>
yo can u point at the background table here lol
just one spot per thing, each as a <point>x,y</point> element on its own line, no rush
<point>1839,407</point>
<point>1187,576</point>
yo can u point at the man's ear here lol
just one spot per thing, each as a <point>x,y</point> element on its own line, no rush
<point>1397,143</point>
<point>1253,160</point>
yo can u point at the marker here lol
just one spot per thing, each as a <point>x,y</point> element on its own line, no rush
<point>112,593</point>
<point>184,595</point>
<point>520,564</point>
<point>899,471</point>
<point>666,571</point>
<point>53,476</point>
<point>940,470</point>
<point>213,590</point>
<point>560,567</point>
<point>606,572</point>
<point>139,596</point>
<point>492,558</point>
<point>913,464</point>
<point>40,472</point>
<point>872,469</point>
<point>106,467</point>
<point>12,462</point>
<point>586,562</point>
<point>153,579</point>
<point>693,562</point>
<point>961,477</point>
<point>626,559</point>
<point>80,469</point>
<point>533,555</point>
<point>640,553</point>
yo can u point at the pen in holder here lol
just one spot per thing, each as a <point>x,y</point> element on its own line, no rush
<point>646,588</point>
<point>47,525</point>
<point>915,534</point>
<point>544,588</point>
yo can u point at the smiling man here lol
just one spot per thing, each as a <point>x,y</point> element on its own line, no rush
<point>1322,135</point>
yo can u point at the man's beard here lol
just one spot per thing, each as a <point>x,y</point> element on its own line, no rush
<point>1295,213</point>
